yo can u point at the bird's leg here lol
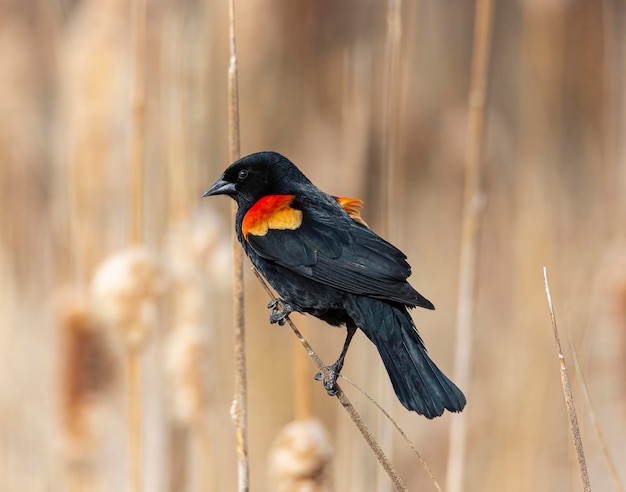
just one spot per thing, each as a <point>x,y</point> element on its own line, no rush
<point>330,385</point>
<point>280,311</point>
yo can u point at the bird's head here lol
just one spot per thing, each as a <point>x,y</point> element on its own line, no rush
<point>258,175</point>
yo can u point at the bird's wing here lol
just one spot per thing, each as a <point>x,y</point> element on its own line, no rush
<point>325,243</point>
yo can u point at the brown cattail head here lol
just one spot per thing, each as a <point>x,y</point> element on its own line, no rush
<point>87,370</point>
<point>124,291</point>
<point>300,458</point>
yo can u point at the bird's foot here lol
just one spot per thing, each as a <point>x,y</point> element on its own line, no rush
<point>280,311</point>
<point>330,383</point>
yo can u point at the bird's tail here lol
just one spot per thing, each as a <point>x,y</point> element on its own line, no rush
<point>419,384</point>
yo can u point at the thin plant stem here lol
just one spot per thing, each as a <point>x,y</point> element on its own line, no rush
<point>472,215</point>
<point>343,399</point>
<point>567,393</point>
<point>390,110</point>
<point>240,402</point>
<point>302,388</point>
<point>610,463</point>
<point>389,173</point>
<point>137,104</point>
<point>135,420</point>
<point>398,428</point>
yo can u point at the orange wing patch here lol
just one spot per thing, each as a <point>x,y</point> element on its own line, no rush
<point>271,212</point>
<point>352,206</point>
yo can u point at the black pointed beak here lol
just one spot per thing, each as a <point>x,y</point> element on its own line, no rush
<point>220,187</point>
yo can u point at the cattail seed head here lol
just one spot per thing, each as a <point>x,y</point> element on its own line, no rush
<point>87,371</point>
<point>300,458</point>
<point>124,291</point>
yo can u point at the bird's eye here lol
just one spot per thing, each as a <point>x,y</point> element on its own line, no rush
<point>243,174</point>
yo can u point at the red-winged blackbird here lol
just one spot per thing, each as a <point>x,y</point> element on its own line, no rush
<point>322,259</point>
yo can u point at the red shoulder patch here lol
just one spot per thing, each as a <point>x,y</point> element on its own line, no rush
<point>271,212</point>
<point>352,206</point>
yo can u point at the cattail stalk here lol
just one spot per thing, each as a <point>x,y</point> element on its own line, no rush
<point>389,174</point>
<point>302,379</point>
<point>567,393</point>
<point>133,358</point>
<point>472,214</point>
<point>239,408</point>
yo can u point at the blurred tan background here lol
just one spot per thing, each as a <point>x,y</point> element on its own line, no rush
<point>311,87</point>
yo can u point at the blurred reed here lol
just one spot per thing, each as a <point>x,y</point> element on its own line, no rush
<point>473,205</point>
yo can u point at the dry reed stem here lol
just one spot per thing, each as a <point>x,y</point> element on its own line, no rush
<point>567,393</point>
<point>611,96</point>
<point>610,463</point>
<point>302,388</point>
<point>343,399</point>
<point>389,172</point>
<point>390,111</point>
<point>398,428</point>
<point>134,379</point>
<point>134,352</point>
<point>239,409</point>
<point>137,107</point>
<point>472,214</point>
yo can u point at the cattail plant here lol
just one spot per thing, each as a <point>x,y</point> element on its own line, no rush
<point>87,373</point>
<point>194,254</point>
<point>301,458</point>
<point>124,289</point>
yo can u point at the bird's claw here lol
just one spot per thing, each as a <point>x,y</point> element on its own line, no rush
<point>280,311</point>
<point>330,384</point>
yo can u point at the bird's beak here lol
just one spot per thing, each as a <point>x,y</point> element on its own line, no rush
<point>220,187</point>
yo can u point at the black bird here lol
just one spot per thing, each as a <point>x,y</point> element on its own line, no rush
<point>322,259</point>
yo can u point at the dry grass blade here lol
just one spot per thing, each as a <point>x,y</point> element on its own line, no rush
<point>610,463</point>
<point>567,393</point>
<point>399,429</point>
<point>343,399</point>
<point>472,213</point>
<point>239,409</point>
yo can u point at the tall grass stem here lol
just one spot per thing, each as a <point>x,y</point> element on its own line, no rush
<point>472,215</point>
<point>240,403</point>
<point>567,393</point>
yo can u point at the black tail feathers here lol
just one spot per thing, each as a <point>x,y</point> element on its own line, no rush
<point>419,384</point>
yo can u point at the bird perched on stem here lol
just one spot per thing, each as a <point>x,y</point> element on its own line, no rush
<point>322,259</point>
